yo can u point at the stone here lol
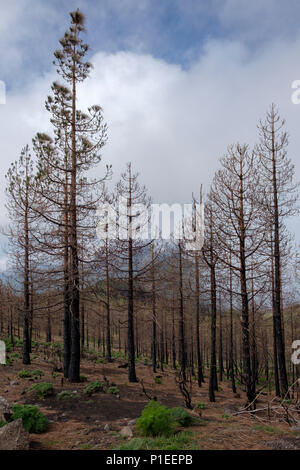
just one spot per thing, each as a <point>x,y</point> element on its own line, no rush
<point>5,410</point>
<point>13,382</point>
<point>106,428</point>
<point>14,437</point>
<point>126,432</point>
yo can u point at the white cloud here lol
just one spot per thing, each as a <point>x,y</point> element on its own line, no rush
<point>173,124</point>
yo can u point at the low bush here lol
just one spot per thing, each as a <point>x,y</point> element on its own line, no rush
<point>8,345</point>
<point>30,374</point>
<point>16,356</point>
<point>113,390</point>
<point>182,417</point>
<point>24,374</point>
<point>18,342</point>
<point>67,395</point>
<point>42,390</point>
<point>155,420</point>
<point>33,420</point>
<point>200,406</point>
<point>95,387</point>
<point>9,361</point>
<point>158,380</point>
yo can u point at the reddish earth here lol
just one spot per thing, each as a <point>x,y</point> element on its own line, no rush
<point>79,423</point>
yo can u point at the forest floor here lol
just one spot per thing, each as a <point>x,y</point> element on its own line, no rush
<point>78,423</point>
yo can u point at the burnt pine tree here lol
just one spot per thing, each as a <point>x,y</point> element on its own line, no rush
<point>62,165</point>
<point>210,256</point>
<point>240,231</point>
<point>132,206</point>
<point>22,197</point>
<point>154,318</point>
<point>277,181</point>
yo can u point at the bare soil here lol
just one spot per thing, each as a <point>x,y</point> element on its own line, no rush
<point>79,423</point>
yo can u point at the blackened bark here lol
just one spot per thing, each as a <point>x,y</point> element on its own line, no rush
<point>74,367</point>
<point>199,359</point>
<point>231,349</point>
<point>108,337</point>
<point>154,338</point>
<point>277,283</point>
<point>26,335</point>
<point>131,347</point>
<point>213,381</point>
<point>182,352</point>
<point>173,331</point>
<point>250,386</point>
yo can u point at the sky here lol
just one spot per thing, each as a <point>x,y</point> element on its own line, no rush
<point>178,80</point>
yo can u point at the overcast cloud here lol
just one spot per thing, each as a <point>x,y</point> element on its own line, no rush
<point>172,114</point>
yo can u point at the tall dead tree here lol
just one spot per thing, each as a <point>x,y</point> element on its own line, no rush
<point>277,181</point>
<point>62,165</point>
<point>240,231</point>
<point>211,258</point>
<point>21,199</point>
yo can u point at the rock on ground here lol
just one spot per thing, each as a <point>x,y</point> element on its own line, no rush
<point>14,437</point>
<point>126,432</point>
<point>5,410</point>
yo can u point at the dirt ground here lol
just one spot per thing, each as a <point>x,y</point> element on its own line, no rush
<point>79,423</point>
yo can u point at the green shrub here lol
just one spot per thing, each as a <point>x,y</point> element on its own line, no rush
<point>201,406</point>
<point>182,417</point>
<point>42,390</point>
<point>9,361</point>
<point>158,380</point>
<point>113,390</point>
<point>37,373</point>
<point>100,360</point>
<point>83,378</point>
<point>94,387</point>
<point>15,356</point>
<point>18,342</point>
<point>33,420</point>
<point>117,355</point>
<point>24,374</point>
<point>2,423</point>
<point>8,345</point>
<point>67,395</point>
<point>155,420</point>
<point>30,374</point>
